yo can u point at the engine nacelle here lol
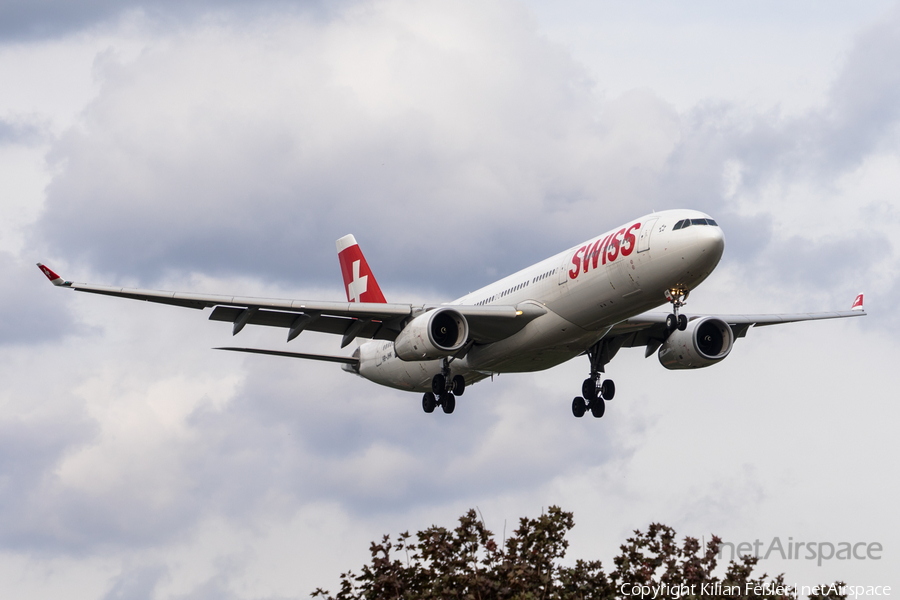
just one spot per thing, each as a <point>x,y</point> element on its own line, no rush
<point>435,334</point>
<point>704,342</point>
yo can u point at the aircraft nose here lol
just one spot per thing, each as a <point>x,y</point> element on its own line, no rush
<point>712,239</point>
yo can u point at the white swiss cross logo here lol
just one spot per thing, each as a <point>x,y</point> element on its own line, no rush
<point>358,286</point>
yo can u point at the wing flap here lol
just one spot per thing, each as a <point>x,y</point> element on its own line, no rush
<point>322,324</point>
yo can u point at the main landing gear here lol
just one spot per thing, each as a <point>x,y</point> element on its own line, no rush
<point>594,397</point>
<point>444,389</point>
<point>594,393</point>
<point>678,298</point>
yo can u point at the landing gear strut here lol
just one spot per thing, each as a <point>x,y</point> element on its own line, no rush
<point>595,393</point>
<point>678,298</point>
<point>444,389</point>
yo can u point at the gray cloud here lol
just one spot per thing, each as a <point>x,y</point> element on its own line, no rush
<point>41,19</point>
<point>16,131</point>
<point>31,448</point>
<point>865,98</point>
<point>859,117</point>
<point>136,583</point>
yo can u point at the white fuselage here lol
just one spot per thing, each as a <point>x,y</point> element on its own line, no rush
<point>585,290</point>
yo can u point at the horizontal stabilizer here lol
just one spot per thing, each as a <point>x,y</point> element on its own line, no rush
<point>347,360</point>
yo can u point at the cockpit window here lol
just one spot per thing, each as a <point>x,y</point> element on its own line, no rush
<point>684,223</point>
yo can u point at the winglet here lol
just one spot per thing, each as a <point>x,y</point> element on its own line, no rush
<point>53,277</point>
<point>858,303</point>
<point>359,282</point>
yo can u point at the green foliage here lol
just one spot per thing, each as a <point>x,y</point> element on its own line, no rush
<point>468,563</point>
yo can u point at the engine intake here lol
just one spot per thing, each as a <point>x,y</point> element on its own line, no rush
<point>435,334</point>
<point>704,342</point>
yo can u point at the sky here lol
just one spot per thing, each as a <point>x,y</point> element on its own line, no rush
<point>223,146</point>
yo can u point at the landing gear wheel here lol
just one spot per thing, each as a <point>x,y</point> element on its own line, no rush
<point>578,407</point>
<point>678,297</point>
<point>429,402</point>
<point>671,322</point>
<point>608,389</point>
<point>598,407</point>
<point>437,384</point>
<point>459,385</point>
<point>589,388</point>
<point>448,402</point>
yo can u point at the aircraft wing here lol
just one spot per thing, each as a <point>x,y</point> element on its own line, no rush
<point>373,320</point>
<point>649,329</point>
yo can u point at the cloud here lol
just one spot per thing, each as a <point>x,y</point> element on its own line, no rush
<point>34,313</point>
<point>29,21</point>
<point>33,441</point>
<point>194,156</point>
<point>859,116</point>
<point>16,131</point>
<point>143,444</point>
<point>136,583</point>
<point>865,98</point>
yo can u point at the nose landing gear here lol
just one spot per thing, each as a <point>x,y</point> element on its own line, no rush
<point>678,297</point>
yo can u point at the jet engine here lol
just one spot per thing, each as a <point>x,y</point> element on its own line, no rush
<point>434,334</point>
<point>704,342</point>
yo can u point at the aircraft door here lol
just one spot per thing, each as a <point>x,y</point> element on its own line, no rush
<point>564,269</point>
<point>646,230</point>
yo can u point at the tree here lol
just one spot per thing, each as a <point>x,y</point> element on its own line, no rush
<point>468,563</point>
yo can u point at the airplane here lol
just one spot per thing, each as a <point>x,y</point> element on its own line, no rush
<point>592,299</point>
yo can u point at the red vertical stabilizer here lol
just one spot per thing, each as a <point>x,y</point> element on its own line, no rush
<point>359,283</point>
